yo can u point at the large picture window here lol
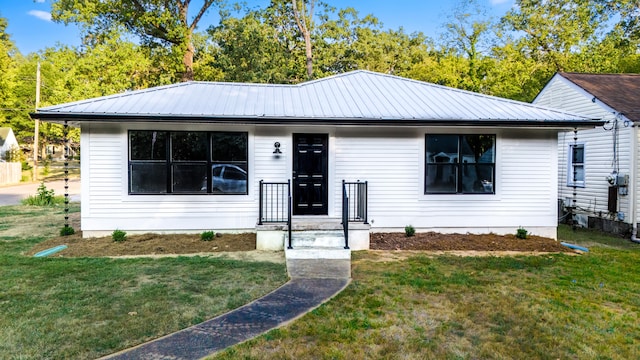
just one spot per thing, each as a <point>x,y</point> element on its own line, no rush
<point>575,172</point>
<point>460,164</point>
<point>181,162</point>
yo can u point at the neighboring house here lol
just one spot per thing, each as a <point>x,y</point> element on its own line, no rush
<point>151,159</point>
<point>7,141</point>
<point>602,163</point>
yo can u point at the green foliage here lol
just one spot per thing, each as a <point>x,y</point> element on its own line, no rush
<point>67,230</point>
<point>44,197</point>
<point>207,235</point>
<point>409,230</point>
<point>118,235</point>
<point>521,233</point>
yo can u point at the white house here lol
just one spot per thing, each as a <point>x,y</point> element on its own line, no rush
<point>601,162</point>
<point>191,156</point>
<point>7,140</point>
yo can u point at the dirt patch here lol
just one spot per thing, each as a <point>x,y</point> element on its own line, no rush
<point>431,241</point>
<point>147,244</point>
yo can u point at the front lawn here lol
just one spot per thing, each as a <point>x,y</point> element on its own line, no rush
<point>415,306</point>
<point>82,308</point>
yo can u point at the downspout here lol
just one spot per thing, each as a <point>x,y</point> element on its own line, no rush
<point>634,182</point>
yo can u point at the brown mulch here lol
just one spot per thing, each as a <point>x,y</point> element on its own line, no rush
<point>432,241</point>
<point>176,244</point>
<point>147,244</point>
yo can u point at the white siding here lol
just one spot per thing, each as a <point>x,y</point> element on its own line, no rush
<point>592,199</point>
<point>391,160</point>
<point>106,204</point>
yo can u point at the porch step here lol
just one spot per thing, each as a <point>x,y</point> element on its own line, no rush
<point>317,244</point>
<point>317,239</point>
<point>317,253</point>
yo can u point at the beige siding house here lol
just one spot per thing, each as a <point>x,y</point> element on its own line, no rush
<point>197,156</point>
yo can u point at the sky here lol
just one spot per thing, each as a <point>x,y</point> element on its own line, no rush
<point>31,28</point>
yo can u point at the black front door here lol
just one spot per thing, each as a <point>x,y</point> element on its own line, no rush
<point>310,169</point>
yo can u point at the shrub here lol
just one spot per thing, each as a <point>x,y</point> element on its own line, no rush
<point>409,230</point>
<point>119,235</point>
<point>44,197</point>
<point>521,233</point>
<point>67,230</point>
<point>207,235</point>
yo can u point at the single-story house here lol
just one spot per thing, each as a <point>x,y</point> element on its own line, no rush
<point>7,141</point>
<point>599,164</point>
<point>197,156</point>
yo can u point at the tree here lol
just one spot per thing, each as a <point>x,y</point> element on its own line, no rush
<point>303,14</point>
<point>469,35</point>
<point>7,81</point>
<point>154,21</point>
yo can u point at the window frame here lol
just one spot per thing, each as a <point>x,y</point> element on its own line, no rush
<point>460,166</point>
<point>571,164</point>
<point>169,163</point>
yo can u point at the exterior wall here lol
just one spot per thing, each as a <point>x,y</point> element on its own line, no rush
<point>391,160</point>
<point>592,199</point>
<point>386,158</point>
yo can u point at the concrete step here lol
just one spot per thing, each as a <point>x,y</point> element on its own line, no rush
<point>316,238</point>
<point>317,253</point>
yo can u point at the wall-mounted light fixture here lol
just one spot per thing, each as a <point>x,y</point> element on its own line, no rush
<point>276,150</point>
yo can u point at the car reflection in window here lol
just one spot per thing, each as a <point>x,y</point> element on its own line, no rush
<point>227,179</point>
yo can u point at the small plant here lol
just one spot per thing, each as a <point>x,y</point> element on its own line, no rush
<point>43,197</point>
<point>409,230</point>
<point>118,235</point>
<point>207,235</point>
<point>521,233</point>
<point>67,230</point>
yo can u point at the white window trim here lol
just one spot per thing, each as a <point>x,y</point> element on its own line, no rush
<point>570,182</point>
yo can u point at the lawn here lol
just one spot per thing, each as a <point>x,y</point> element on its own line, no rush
<point>82,308</point>
<point>447,307</point>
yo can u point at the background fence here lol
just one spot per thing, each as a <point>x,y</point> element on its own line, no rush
<point>10,173</point>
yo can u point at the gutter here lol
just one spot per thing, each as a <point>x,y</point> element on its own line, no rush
<point>634,183</point>
<point>275,120</point>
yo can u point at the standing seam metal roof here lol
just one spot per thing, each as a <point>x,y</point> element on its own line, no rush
<point>356,95</point>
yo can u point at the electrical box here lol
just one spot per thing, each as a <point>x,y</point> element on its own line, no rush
<point>622,180</point>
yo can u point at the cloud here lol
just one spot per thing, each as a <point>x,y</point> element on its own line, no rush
<point>498,2</point>
<point>42,15</point>
<point>40,1</point>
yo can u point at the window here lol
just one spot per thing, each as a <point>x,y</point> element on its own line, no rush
<point>181,162</point>
<point>460,164</point>
<point>575,172</point>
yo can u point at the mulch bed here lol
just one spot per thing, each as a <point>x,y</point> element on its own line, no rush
<point>433,241</point>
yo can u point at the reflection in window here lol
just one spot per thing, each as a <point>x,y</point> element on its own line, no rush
<point>575,174</point>
<point>179,162</point>
<point>460,164</point>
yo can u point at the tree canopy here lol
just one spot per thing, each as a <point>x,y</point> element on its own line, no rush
<point>135,44</point>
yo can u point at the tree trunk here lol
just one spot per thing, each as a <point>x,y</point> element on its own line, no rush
<point>309,52</point>
<point>187,60</point>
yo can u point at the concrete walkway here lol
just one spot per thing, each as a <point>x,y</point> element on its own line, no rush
<point>12,194</point>
<point>294,299</point>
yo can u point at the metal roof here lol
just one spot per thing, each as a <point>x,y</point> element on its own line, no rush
<point>357,97</point>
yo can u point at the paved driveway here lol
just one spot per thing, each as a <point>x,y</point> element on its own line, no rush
<point>12,194</point>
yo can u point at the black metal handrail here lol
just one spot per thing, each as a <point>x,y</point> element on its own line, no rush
<point>275,204</point>
<point>357,192</point>
<point>345,214</point>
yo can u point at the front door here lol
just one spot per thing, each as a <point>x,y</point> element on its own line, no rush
<point>310,169</point>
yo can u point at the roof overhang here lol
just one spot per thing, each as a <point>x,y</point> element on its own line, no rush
<point>77,119</point>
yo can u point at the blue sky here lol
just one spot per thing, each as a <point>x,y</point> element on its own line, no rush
<point>31,28</point>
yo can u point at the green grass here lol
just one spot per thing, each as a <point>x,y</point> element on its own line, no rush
<point>446,307</point>
<point>61,308</point>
